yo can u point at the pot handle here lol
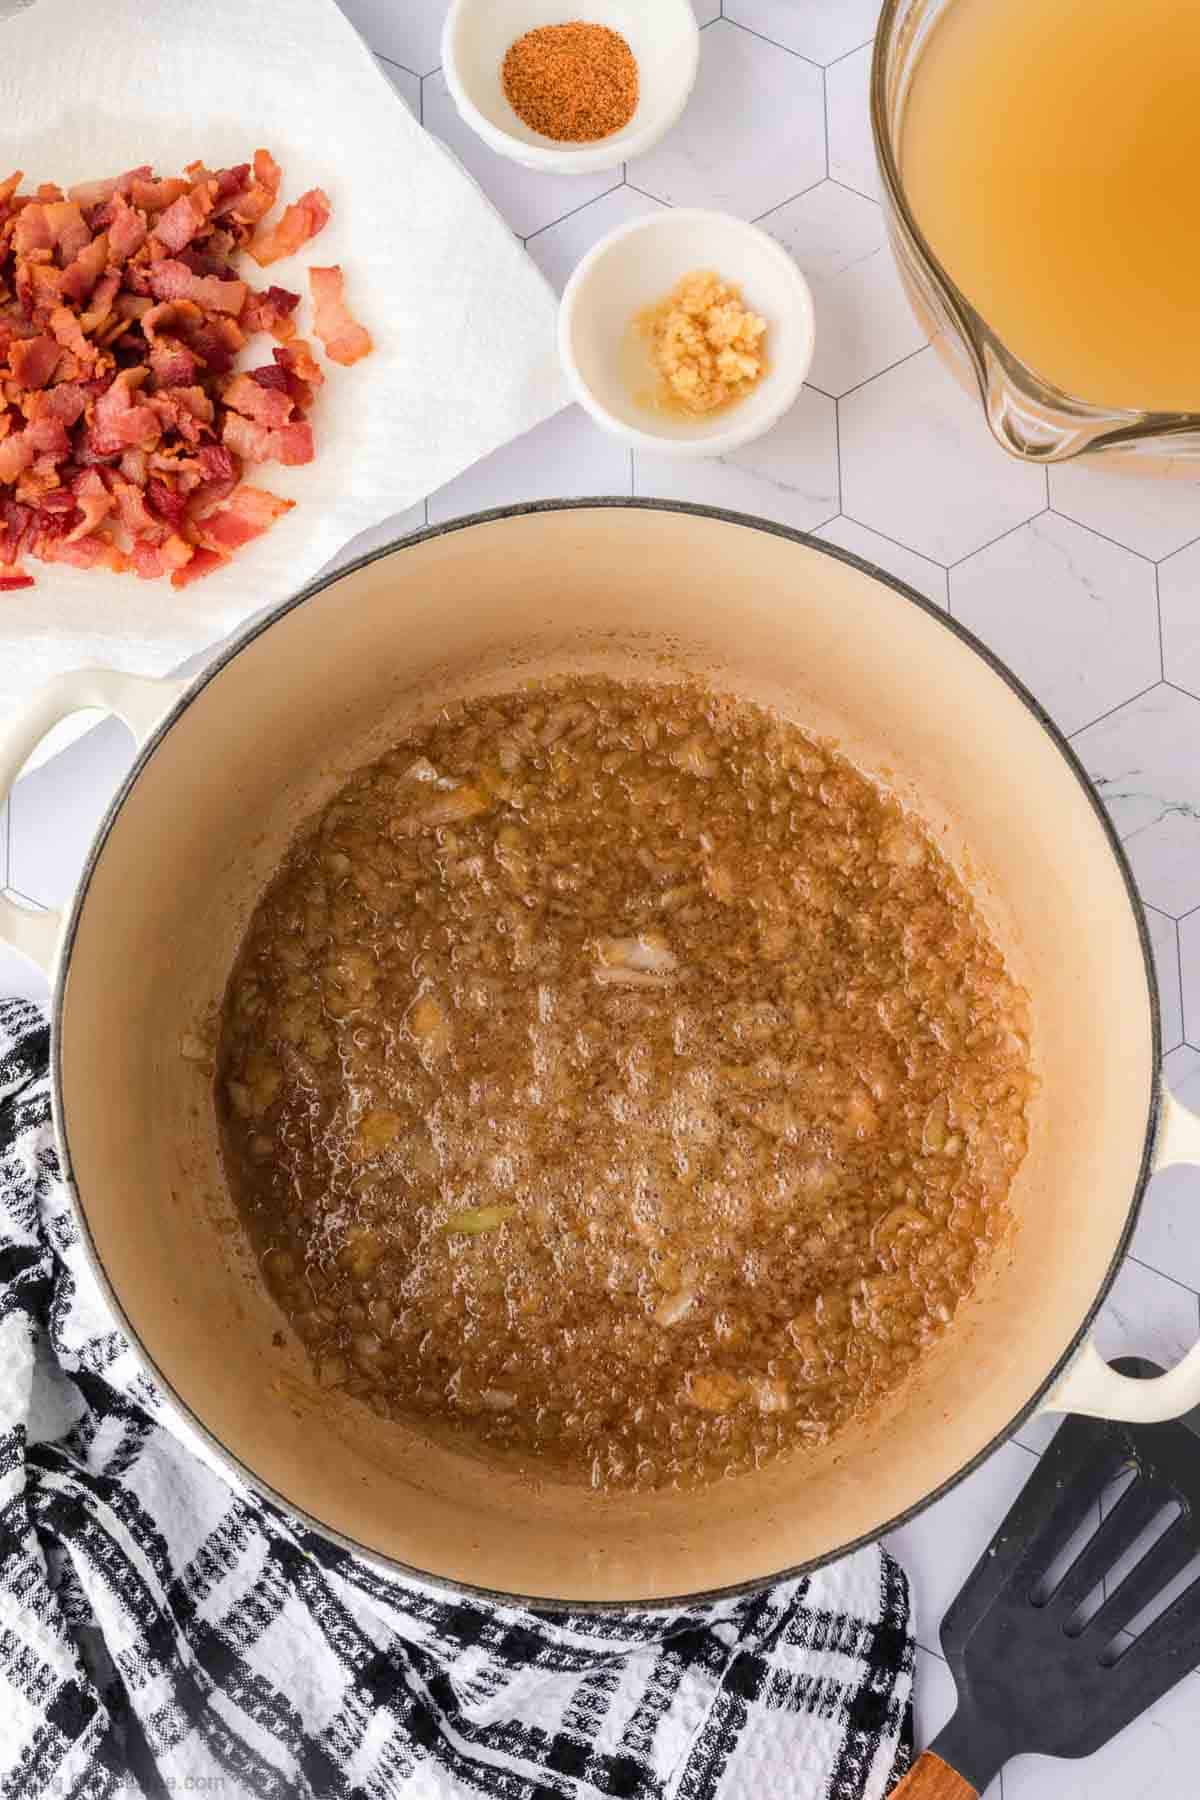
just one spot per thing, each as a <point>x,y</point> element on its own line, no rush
<point>1089,1385</point>
<point>140,701</point>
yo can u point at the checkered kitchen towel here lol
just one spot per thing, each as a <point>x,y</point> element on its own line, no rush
<point>163,1631</point>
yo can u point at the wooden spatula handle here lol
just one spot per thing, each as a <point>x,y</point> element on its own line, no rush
<point>932,1779</point>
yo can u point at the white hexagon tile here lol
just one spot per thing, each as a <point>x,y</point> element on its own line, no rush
<point>1143,758</point>
<point>851,154</point>
<point>822,30</point>
<point>866,324</point>
<point>707,160</point>
<point>1179,604</point>
<point>1086,581</point>
<point>1039,592</point>
<point>790,475</point>
<point>919,464</point>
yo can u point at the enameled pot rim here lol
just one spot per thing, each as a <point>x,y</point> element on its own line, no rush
<point>238,1469</point>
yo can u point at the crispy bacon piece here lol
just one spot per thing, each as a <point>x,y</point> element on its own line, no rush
<point>250,512</point>
<point>33,360</point>
<point>69,229</point>
<point>94,502</point>
<point>270,311</point>
<point>155,196</point>
<point>247,395</point>
<point>172,280</point>
<point>125,432</point>
<point>184,217</point>
<point>344,339</point>
<point>302,220</point>
<point>202,562</point>
<point>95,193</point>
<point>84,271</point>
<point>255,443</point>
<point>117,423</point>
<point>127,229</point>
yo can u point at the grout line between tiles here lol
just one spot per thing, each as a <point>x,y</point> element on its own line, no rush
<point>393,64</point>
<point>886,370</point>
<point>851,189</point>
<point>760,218</point>
<point>1096,532</point>
<point>889,539</point>
<point>1173,1279</point>
<point>764,39</point>
<point>1162,648</point>
<point>998,539</point>
<point>834,61</point>
<point>837,448</point>
<point>645,193</point>
<point>1100,718</point>
<point>825,116</point>
<point>1167,682</point>
<point>582,207</point>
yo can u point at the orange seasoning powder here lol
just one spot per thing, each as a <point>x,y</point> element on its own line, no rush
<point>574,83</point>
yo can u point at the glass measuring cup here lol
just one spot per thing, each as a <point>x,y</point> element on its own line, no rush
<point>1028,416</point>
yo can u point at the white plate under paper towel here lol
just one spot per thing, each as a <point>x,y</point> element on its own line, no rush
<point>463,322</point>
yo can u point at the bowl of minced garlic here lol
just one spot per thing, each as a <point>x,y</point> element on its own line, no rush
<point>687,333</point>
<point>571,93</point>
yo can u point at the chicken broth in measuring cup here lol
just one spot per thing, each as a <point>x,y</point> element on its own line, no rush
<point>614,1077</point>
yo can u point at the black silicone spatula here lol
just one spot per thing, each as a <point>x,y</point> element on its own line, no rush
<point>1038,1666</point>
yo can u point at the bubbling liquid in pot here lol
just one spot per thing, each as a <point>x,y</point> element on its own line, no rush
<point>614,1078</point>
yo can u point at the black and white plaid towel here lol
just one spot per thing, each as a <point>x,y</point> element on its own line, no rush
<point>162,1631</point>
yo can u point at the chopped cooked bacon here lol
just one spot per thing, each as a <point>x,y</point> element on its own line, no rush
<point>94,193</point>
<point>33,360</point>
<point>69,229</point>
<point>97,315</point>
<point>302,220</point>
<point>94,501</point>
<point>344,339</point>
<point>69,332</point>
<point>172,280</point>
<point>184,217</point>
<point>246,395</point>
<point>254,202</point>
<point>270,311</point>
<point>155,196</point>
<point>65,402</point>
<point>299,359</point>
<point>125,432</point>
<point>117,424</point>
<point>203,562</point>
<point>250,512</point>
<point>84,271</point>
<point>126,229</point>
<point>172,364</point>
<point>86,553</point>
<point>32,230</point>
<point>16,454</point>
<point>256,443</point>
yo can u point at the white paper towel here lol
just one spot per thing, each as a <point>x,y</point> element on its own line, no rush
<point>463,322</point>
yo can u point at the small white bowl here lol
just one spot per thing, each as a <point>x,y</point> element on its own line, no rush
<point>662,34</point>
<point>637,265</point>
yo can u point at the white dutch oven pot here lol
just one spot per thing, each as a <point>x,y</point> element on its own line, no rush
<point>231,762</point>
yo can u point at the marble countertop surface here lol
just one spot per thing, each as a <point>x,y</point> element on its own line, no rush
<point>1086,582</point>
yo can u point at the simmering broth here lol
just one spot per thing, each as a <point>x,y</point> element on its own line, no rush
<point>1049,151</point>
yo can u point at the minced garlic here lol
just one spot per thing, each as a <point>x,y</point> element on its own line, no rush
<point>706,348</point>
